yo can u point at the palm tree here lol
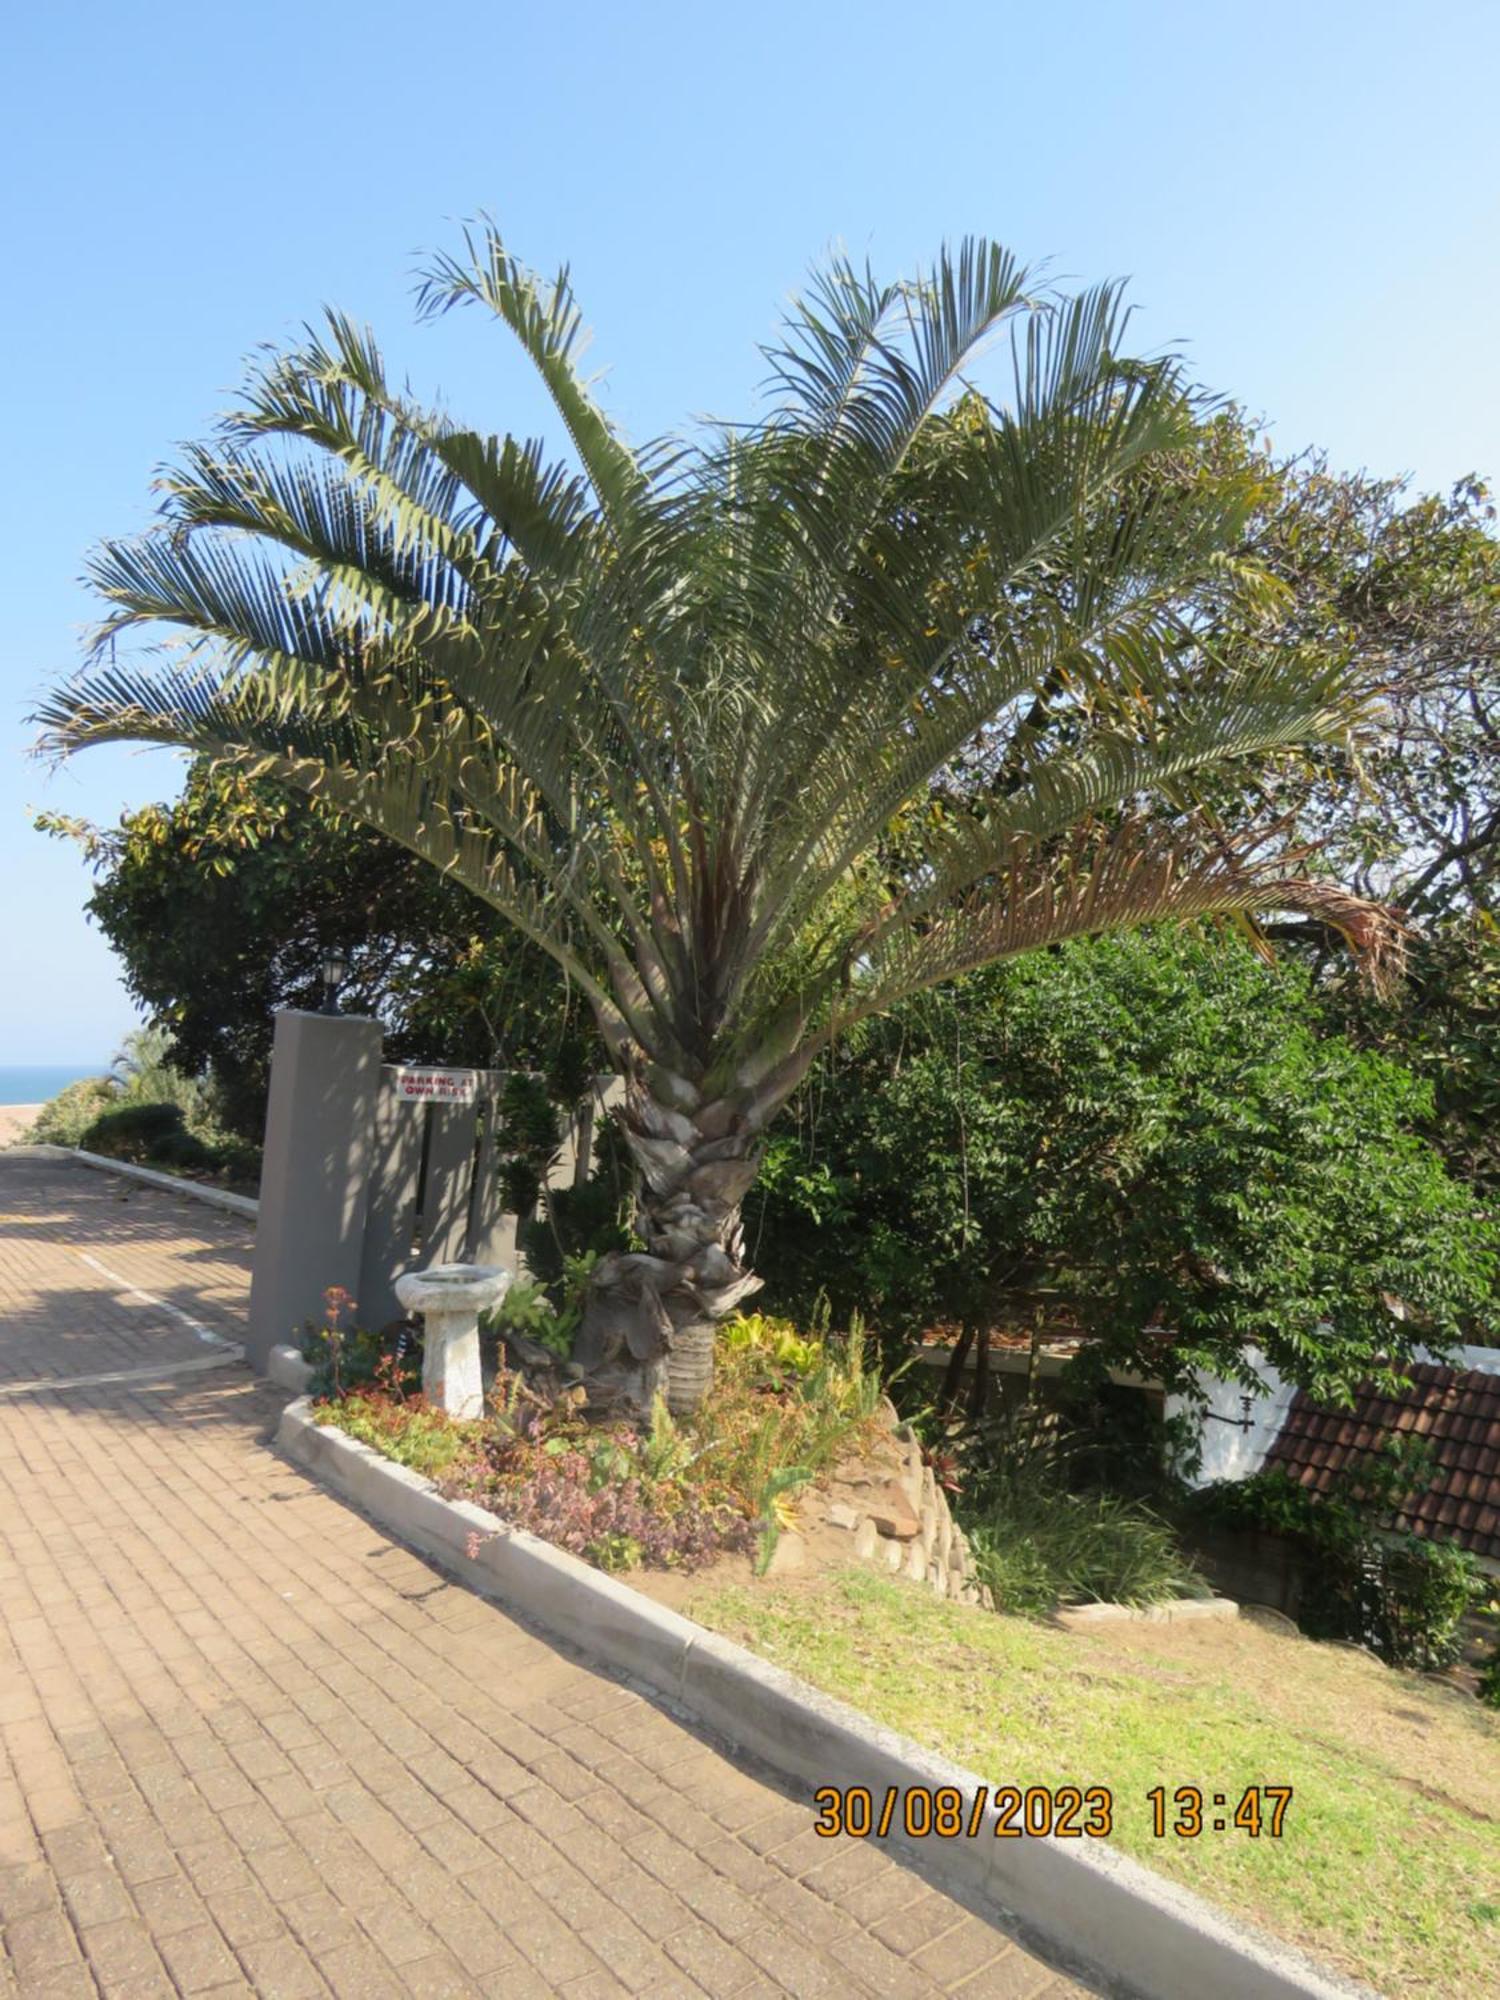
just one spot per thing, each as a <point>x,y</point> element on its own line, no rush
<point>754,733</point>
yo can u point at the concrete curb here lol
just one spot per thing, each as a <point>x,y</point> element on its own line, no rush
<point>287,1369</point>
<point>236,1204</point>
<point>1091,1906</point>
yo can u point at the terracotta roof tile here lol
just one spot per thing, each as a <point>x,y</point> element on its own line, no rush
<point>1456,1410</point>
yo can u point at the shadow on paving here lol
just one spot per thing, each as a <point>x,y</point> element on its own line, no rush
<point>60,1337</point>
<point>38,1192</point>
<point>65,1316</point>
<point>259,1408</point>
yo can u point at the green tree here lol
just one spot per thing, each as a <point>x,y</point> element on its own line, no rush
<point>1443,1022</point>
<point>1410,586</point>
<point>222,904</point>
<point>754,733</point>
<point>1150,1139</point>
<point>1407,588</point>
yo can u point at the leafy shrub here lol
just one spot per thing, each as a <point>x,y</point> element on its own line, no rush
<point>148,1112</point>
<point>1359,1498</point>
<point>1037,1543</point>
<point>64,1119</point>
<point>557,1224</point>
<point>403,1429</point>
<point>346,1358</point>
<point>146,1132</point>
<point>777,1340</point>
<point>527,1310</point>
<point>1271,1502</point>
<point>1403,1597</point>
<point>1489,1679</point>
<point>765,1416</point>
<point>1050,1134</point>
<point>1079,1548</point>
<point>144,1073</point>
<point>532,1136</point>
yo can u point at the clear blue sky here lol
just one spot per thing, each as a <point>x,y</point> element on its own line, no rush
<point>1305,195</point>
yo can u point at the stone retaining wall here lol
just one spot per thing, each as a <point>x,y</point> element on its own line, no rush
<point>921,1541</point>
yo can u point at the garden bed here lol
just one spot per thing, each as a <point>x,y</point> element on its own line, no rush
<point>659,1494</point>
<point>796,1462</point>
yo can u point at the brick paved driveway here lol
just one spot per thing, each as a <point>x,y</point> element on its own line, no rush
<point>249,1745</point>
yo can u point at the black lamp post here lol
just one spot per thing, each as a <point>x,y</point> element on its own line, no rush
<point>335,968</point>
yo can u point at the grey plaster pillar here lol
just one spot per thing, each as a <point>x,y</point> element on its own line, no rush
<point>325,1073</point>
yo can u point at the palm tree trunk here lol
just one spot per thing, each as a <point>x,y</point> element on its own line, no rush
<point>648,1326</point>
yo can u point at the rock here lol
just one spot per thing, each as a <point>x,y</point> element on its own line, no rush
<point>1081,1617</point>
<point>788,1556</point>
<point>865,1538</point>
<point>1273,1620</point>
<point>841,1515</point>
<point>893,1516</point>
<point>893,1553</point>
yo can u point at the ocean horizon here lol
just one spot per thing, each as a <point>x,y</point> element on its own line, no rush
<point>34,1083</point>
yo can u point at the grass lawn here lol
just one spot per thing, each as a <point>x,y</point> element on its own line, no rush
<point>1389,1864</point>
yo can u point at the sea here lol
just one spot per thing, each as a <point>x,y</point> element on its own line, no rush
<point>34,1083</point>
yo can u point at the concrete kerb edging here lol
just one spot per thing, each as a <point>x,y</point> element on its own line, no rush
<point>1090,1905</point>
<point>286,1367</point>
<point>236,1204</point>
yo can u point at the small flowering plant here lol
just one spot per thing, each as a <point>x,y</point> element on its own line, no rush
<point>346,1356</point>
<point>612,1494</point>
<point>402,1428</point>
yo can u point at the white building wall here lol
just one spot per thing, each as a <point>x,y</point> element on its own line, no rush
<point>1229,1450</point>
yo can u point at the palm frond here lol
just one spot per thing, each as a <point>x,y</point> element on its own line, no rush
<point>545,319</point>
<point>1136,872</point>
<point>759,732</point>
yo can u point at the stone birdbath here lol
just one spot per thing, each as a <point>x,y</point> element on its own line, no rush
<point>450,1298</point>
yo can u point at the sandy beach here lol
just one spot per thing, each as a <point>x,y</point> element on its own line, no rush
<point>14,1118</point>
